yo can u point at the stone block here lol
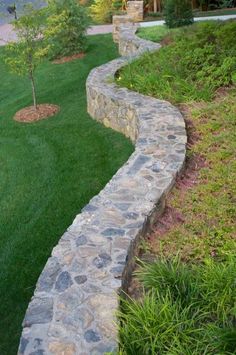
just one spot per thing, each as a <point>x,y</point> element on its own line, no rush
<point>118,21</point>
<point>135,10</point>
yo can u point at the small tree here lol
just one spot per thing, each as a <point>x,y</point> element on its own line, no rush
<point>24,55</point>
<point>178,13</point>
<point>67,22</point>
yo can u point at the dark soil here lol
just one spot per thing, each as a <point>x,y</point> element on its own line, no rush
<point>30,114</point>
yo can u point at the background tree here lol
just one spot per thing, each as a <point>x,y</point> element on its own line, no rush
<point>103,10</point>
<point>24,55</point>
<point>178,13</point>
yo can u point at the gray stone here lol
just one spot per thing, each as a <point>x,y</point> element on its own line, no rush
<point>112,232</point>
<point>157,167</point>
<point>123,206</point>
<point>23,344</point>
<point>89,208</point>
<point>104,348</point>
<point>102,260</point>
<point>80,279</point>
<point>131,215</point>
<point>49,275</point>
<point>63,282</point>
<point>81,240</point>
<point>171,136</point>
<point>40,311</point>
<point>138,164</point>
<point>117,271</point>
<point>91,336</point>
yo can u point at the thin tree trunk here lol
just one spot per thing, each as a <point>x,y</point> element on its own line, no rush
<point>155,6</point>
<point>33,89</point>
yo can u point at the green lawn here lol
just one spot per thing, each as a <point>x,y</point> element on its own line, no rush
<point>48,171</point>
<point>188,306</point>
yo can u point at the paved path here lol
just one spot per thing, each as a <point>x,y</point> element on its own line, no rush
<point>6,33</point>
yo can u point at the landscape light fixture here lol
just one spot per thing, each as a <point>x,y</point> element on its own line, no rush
<point>12,10</point>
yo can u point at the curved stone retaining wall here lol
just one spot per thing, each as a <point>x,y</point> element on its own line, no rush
<point>76,298</point>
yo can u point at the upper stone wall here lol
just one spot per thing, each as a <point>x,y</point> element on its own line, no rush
<point>135,10</point>
<point>76,297</point>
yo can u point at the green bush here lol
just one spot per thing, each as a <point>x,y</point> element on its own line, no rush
<point>103,10</point>
<point>178,13</point>
<point>67,22</point>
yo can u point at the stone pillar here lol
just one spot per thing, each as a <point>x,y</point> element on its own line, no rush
<point>117,22</point>
<point>135,10</point>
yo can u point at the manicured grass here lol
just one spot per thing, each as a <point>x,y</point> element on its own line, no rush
<point>48,171</point>
<point>188,303</point>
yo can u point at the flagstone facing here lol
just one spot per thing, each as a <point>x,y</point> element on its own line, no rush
<point>76,298</point>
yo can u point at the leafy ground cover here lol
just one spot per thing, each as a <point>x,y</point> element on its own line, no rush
<point>205,55</point>
<point>48,171</point>
<point>189,297</point>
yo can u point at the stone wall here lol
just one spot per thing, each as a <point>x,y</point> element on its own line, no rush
<point>117,21</point>
<point>135,10</point>
<point>76,297</point>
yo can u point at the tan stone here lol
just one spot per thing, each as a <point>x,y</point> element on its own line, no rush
<point>106,122</point>
<point>117,22</point>
<point>59,348</point>
<point>103,305</point>
<point>68,258</point>
<point>135,10</point>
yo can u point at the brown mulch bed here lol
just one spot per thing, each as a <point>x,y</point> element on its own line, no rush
<point>69,58</point>
<point>30,114</point>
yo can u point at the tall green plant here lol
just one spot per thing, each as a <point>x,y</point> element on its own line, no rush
<point>178,13</point>
<point>101,11</point>
<point>67,22</point>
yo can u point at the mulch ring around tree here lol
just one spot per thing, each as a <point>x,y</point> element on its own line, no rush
<point>30,114</point>
<point>69,58</point>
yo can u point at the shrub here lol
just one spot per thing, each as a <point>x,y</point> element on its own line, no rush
<point>178,13</point>
<point>226,3</point>
<point>67,22</point>
<point>103,10</point>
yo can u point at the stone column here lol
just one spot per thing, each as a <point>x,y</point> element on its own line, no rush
<point>117,22</point>
<point>135,10</point>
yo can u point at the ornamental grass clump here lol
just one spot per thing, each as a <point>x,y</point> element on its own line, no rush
<point>186,309</point>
